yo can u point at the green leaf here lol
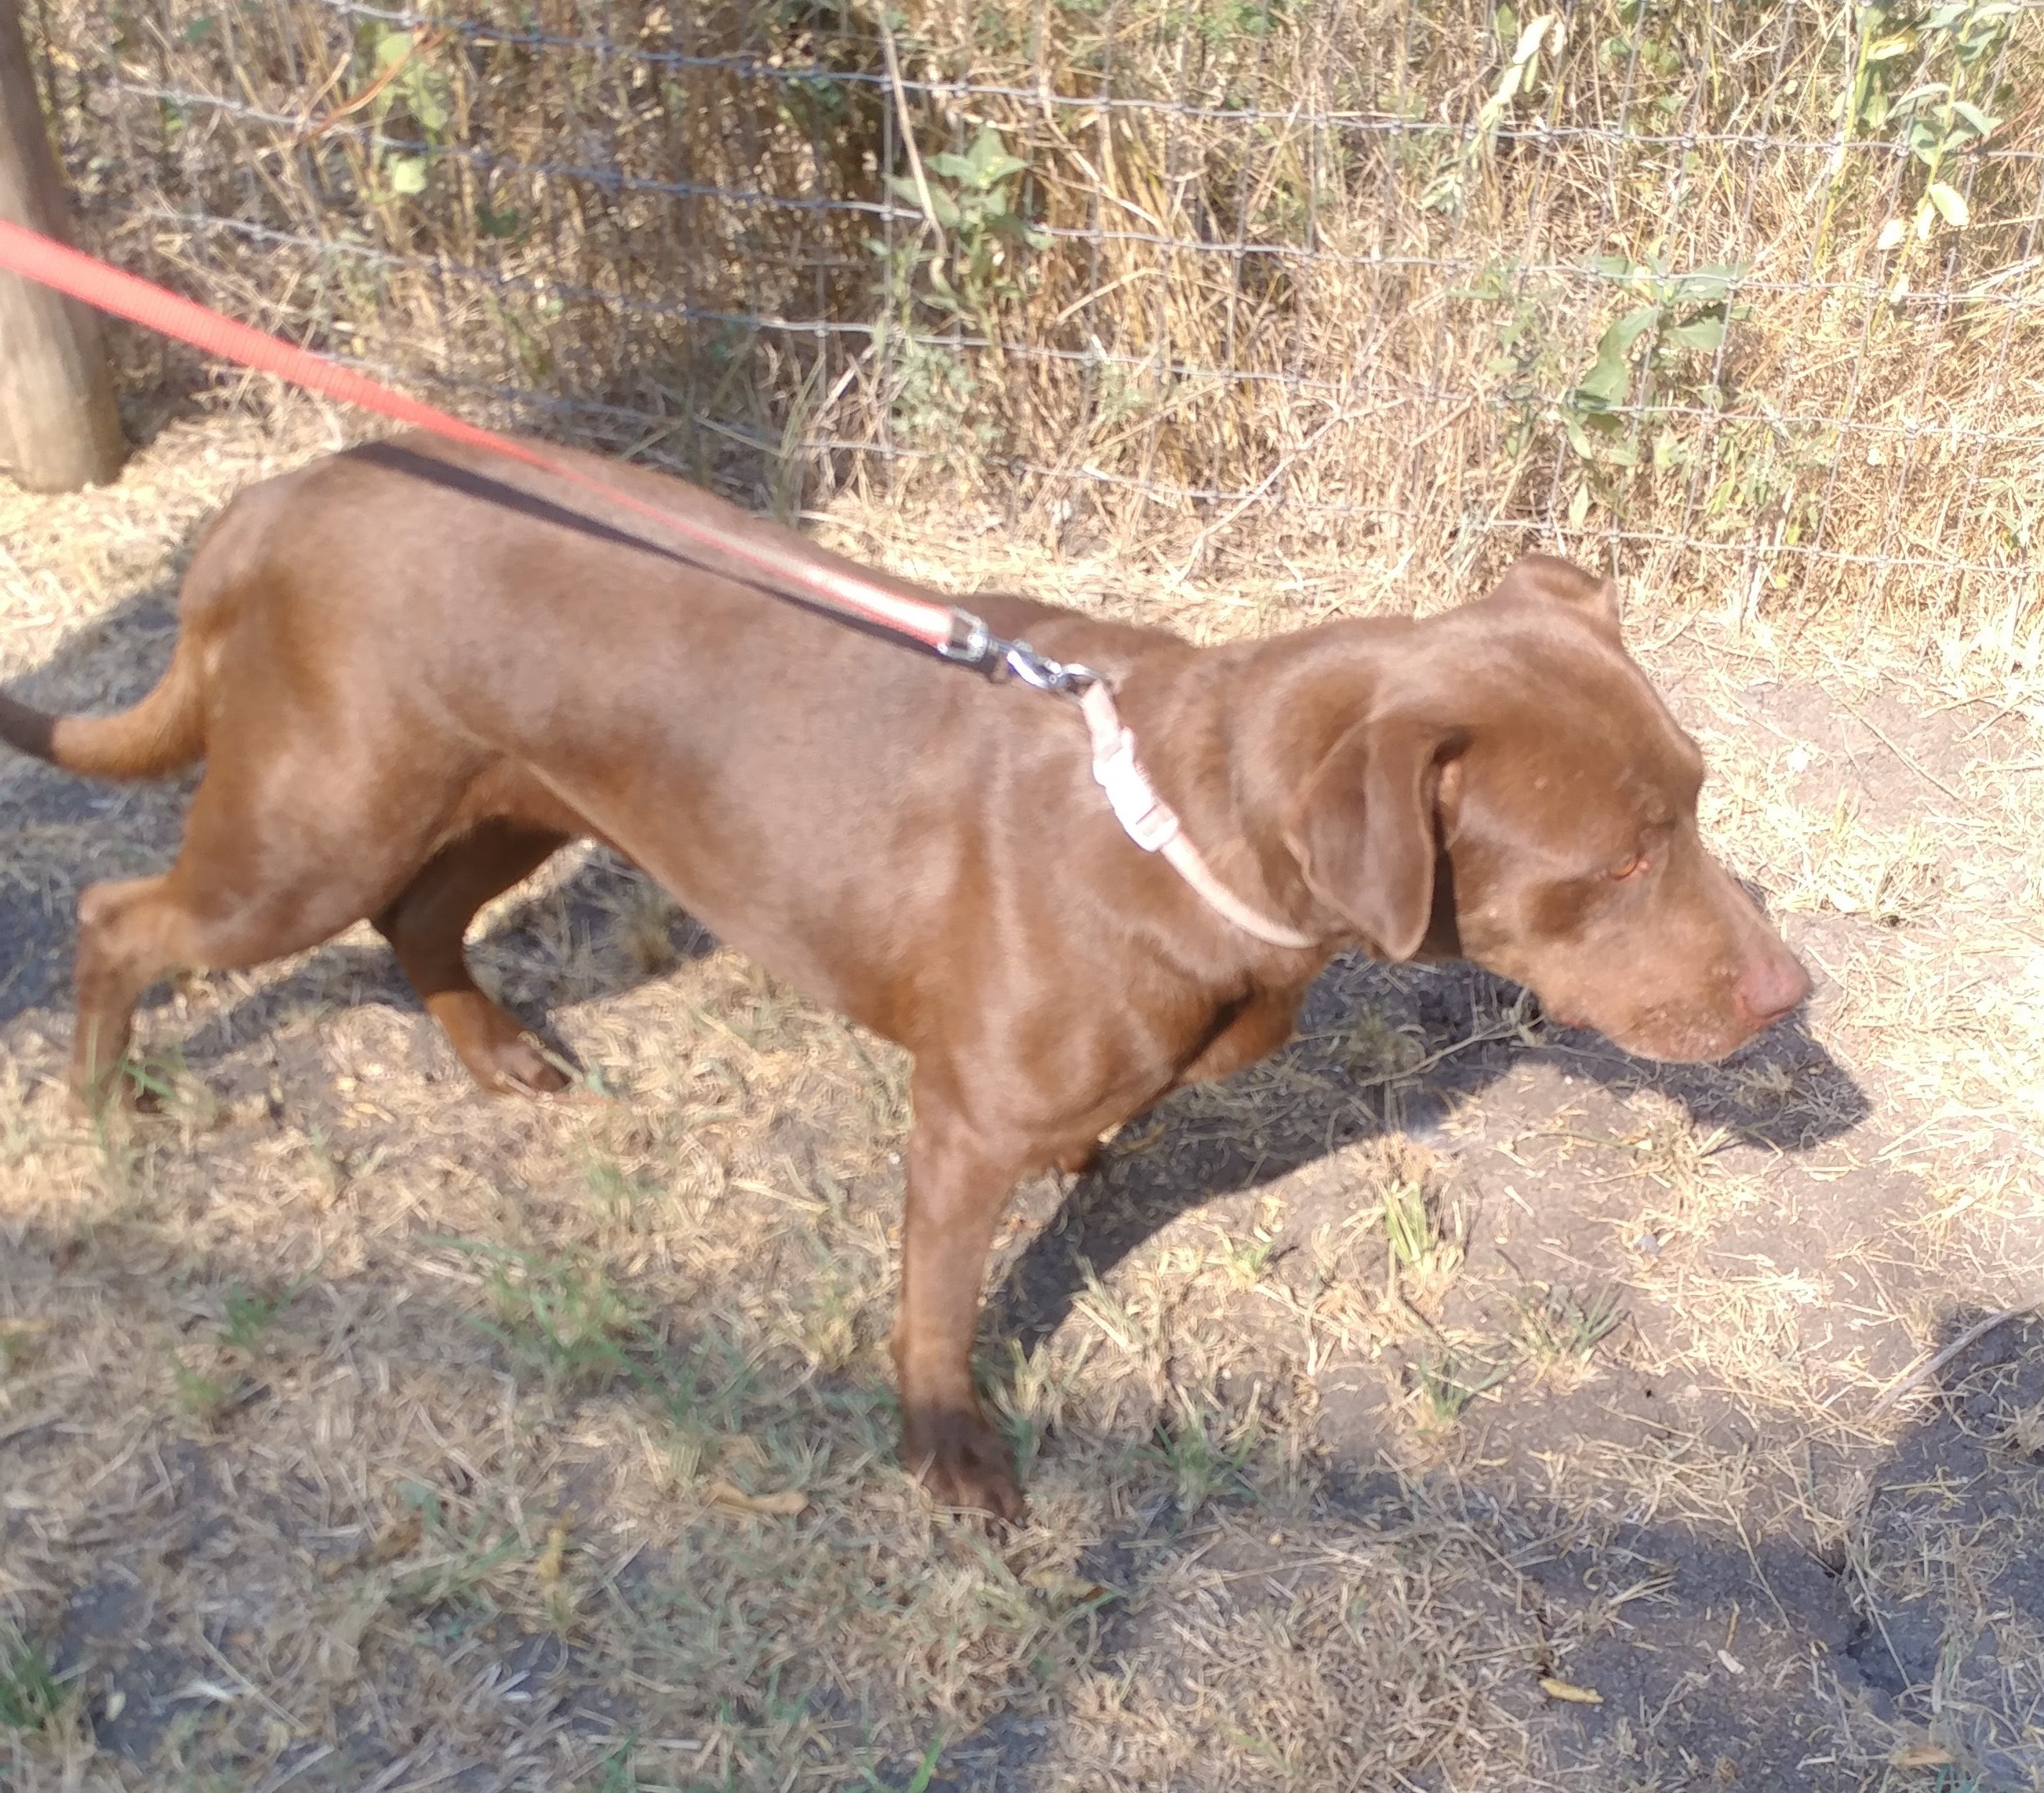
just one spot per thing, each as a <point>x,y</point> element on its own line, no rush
<point>986,148</point>
<point>985,163</point>
<point>1606,383</point>
<point>1708,285</point>
<point>1950,203</point>
<point>1012,228</point>
<point>942,207</point>
<point>1628,330</point>
<point>427,108</point>
<point>1706,333</point>
<point>407,173</point>
<point>952,167</point>
<point>1976,120</point>
<point>392,47</point>
<point>1444,192</point>
<point>1611,375</point>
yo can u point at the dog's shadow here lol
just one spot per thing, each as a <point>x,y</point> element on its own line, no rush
<point>1382,1049</point>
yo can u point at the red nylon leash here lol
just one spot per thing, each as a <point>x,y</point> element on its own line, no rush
<point>957,635</point>
<point>51,264</point>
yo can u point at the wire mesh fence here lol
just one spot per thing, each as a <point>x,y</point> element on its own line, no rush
<point>1744,295</point>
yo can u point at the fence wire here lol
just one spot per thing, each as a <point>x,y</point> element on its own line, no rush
<point>1744,294</point>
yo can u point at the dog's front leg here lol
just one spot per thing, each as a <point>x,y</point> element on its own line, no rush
<point>958,1183</point>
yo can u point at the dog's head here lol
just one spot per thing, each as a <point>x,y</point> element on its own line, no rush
<point>1518,794</point>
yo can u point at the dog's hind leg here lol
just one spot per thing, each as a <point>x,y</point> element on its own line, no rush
<point>425,926</point>
<point>124,933</point>
<point>240,895</point>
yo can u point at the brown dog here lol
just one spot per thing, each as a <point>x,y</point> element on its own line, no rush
<point>414,672</point>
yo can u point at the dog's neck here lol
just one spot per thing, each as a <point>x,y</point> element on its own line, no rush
<point>1201,736</point>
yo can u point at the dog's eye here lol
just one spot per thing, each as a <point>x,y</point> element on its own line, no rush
<point>1630,866</point>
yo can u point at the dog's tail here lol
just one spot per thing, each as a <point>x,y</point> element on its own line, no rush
<point>163,733</point>
<point>166,731</point>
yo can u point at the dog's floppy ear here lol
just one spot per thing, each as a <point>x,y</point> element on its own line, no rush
<point>1541,577</point>
<point>1364,828</point>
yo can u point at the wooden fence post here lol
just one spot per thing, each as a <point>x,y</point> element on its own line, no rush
<point>58,427</point>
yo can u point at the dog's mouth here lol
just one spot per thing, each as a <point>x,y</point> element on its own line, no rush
<point>1685,1042</point>
<point>1560,1015</point>
<point>1662,1036</point>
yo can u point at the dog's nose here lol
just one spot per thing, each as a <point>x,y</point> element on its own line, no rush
<point>1774,983</point>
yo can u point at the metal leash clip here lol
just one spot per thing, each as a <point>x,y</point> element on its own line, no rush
<point>973,645</point>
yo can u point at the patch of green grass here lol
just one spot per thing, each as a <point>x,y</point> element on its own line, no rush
<point>156,1077</point>
<point>246,1317</point>
<point>161,1082</point>
<point>1244,1261</point>
<point>1427,1250</point>
<point>121,1160</point>
<point>459,1577</point>
<point>703,1387</point>
<point>1037,1394</point>
<point>331,1168</point>
<point>618,1192</point>
<point>615,1773</point>
<point>17,1343</point>
<point>1375,1050</point>
<point>1206,1449</point>
<point>1556,1330</point>
<point>561,1316</point>
<point>1446,1384</point>
<point>451,1562</point>
<point>29,1693</point>
<point>201,1396</point>
<point>591,1080</point>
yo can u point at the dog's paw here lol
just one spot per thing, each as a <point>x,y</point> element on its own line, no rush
<point>962,1463</point>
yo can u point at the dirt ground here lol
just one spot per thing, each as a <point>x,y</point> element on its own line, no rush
<point>1450,1403</point>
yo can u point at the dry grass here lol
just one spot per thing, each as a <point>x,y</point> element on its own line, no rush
<point>1275,283</point>
<point>364,1433</point>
